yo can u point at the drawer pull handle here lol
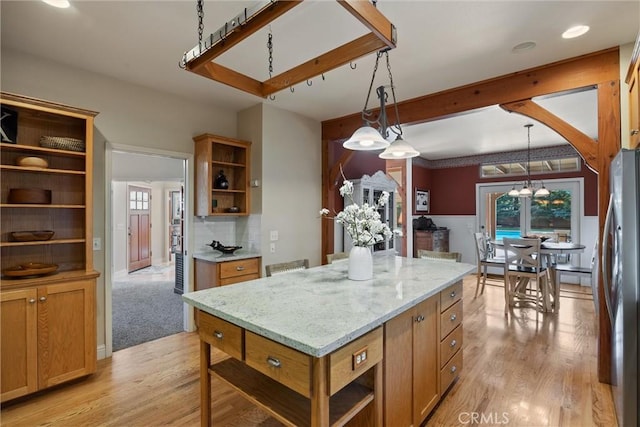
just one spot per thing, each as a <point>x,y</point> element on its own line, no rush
<point>419,318</point>
<point>634,132</point>
<point>240,268</point>
<point>218,334</point>
<point>32,300</point>
<point>453,294</point>
<point>273,362</point>
<point>43,299</point>
<point>454,343</point>
<point>453,317</point>
<point>453,369</point>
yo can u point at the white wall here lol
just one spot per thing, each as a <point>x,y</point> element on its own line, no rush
<point>290,182</point>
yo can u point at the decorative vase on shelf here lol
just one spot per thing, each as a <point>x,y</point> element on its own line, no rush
<point>360,263</point>
<point>221,181</point>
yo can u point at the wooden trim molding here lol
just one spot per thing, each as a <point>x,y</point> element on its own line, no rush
<point>514,92</point>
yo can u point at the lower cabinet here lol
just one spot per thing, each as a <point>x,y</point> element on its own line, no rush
<point>210,274</point>
<point>411,368</point>
<point>52,339</point>
<point>450,335</point>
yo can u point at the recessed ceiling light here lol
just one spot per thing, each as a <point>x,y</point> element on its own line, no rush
<point>576,31</point>
<point>523,47</point>
<point>62,4</point>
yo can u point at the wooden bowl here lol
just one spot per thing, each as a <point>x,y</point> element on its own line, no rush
<point>31,161</point>
<point>31,236</point>
<point>35,196</point>
<point>29,269</point>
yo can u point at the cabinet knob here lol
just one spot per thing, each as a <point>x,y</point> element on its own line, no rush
<point>453,294</point>
<point>42,299</point>
<point>273,361</point>
<point>635,131</point>
<point>453,317</point>
<point>218,334</point>
<point>453,369</point>
<point>419,318</point>
<point>32,300</point>
<point>454,343</point>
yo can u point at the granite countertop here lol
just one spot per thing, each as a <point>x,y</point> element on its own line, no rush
<point>217,256</point>
<point>318,310</point>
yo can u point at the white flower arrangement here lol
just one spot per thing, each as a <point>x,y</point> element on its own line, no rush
<point>362,222</point>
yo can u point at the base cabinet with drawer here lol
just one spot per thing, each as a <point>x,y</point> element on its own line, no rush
<point>450,335</point>
<point>211,274</point>
<point>295,388</point>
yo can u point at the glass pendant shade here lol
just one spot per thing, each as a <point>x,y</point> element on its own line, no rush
<point>399,149</point>
<point>366,138</point>
<point>514,192</point>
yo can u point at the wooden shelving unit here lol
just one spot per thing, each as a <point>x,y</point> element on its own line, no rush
<point>214,154</point>
<point>51,316</point>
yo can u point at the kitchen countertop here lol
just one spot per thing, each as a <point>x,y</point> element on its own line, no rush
<point>217,256</point>
<point>318,310</point>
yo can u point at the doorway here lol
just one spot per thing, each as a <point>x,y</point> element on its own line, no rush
<point>147,207</point>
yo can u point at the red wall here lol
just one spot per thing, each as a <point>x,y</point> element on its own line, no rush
<point>453,190</point>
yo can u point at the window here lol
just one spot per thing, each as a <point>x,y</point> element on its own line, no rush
<point>568,164</point>
<point>555,215</point>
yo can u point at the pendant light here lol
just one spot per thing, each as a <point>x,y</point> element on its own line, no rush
<point>527,189</point>
<point>367,137</point>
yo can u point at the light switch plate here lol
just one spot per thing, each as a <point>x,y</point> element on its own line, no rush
<point>273,235</point>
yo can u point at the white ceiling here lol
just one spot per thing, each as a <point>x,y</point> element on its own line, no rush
<point>441,45</point>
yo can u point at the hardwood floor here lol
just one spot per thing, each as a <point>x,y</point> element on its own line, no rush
<point>527,369</point>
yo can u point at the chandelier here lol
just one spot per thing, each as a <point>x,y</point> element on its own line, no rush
<point>369,138</point>
<point>527,189</point>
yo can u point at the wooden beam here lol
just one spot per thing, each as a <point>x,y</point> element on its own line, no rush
<point>323,63</point>
<point>230,77</point>
<point>241,32</point>
<point>373,19</point>
<point>584,144</point>
<point>570,74</point>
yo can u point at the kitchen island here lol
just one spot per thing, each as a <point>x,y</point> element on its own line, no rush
<point>311,347</point>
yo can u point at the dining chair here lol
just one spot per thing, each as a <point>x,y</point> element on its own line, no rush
<point>442,256</point>
<point>338,256</point>
<point>484,260</point>
<point>286,267</point>
<point>591,272</point>
<point>522,267</point>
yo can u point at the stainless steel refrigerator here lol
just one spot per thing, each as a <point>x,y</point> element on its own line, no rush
<point>621,276</point>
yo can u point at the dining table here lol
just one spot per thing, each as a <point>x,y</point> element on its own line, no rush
<point>550,251</point>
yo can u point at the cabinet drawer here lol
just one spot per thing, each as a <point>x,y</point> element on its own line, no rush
<point>238,279</point>
<point>450,319</point>
<point>346,363</point>
<point>221,334</point>
<point>450,296</point>
<point>450,372</point>
<point>285,365</point>
<point>450,345</point>
<point>239,268</point>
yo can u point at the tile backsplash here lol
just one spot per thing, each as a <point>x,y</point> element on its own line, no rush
<point>241,231</point>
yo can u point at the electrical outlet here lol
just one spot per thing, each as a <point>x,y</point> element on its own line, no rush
<point>97,243</point>
<point>359,358</point>
<point>272,248</point>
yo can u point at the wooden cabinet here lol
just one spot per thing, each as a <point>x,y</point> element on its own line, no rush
<point>450,335</point>
<point>431,240</point>
<point>368,189</point>
<point>56,308</point>
<point>633,80</point>
<point>211,274</point>
<point>411,370</point>
<point>53,335</point>
<point>232,157</point>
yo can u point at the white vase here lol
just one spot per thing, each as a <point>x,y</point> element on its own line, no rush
<point>360,263</point>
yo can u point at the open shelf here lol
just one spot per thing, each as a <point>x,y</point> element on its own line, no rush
<point>284,404</point>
